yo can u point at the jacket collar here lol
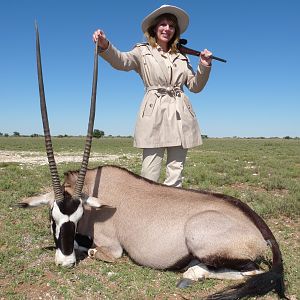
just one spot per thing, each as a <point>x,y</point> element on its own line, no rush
<point>173,56</point>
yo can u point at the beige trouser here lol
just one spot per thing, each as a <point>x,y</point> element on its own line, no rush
<point>152,161</point>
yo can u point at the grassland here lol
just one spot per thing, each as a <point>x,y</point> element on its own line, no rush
<point>264,173</point>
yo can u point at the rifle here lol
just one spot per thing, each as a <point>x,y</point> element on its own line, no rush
<point>186,50</point>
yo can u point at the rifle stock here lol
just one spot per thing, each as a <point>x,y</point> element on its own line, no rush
<point>189,51</point>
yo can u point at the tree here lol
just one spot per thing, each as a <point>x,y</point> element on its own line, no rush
<point>98,133</point>
<point>16,133</point>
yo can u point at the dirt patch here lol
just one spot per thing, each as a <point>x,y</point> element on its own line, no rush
<point>40,158</point>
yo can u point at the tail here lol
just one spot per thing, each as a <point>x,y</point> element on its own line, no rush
<point>257,285</point>
<point>260,284</point>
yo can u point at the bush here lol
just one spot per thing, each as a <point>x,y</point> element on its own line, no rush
<point>98,133</point>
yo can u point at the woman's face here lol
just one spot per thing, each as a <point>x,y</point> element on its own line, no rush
<point>165,30</point>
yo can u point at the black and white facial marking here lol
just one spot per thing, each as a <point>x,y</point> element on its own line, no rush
<point>82,242</point>
<point>64,218</point>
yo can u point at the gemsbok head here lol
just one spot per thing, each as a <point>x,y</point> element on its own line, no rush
<point>66,209</point>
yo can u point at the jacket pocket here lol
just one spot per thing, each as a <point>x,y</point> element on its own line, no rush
<point>189,107</point>
<point>149,106</point>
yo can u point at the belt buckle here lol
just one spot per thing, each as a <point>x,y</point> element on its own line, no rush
<point>170,91</point>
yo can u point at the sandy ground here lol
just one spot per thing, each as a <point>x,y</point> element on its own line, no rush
<point>40,158</point>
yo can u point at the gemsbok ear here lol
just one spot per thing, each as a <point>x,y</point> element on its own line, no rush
<point>35,201</point>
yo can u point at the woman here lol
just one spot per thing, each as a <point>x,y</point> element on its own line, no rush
<point>166,120</point>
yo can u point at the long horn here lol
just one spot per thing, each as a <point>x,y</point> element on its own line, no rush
<point>49,149</point>
<point>89,137</point>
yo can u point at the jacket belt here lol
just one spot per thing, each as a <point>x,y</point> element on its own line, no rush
<point>164,90</point>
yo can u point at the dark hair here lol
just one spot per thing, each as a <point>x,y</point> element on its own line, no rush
<point>151,34</point>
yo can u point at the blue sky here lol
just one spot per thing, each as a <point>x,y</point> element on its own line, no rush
<point>255,94</point>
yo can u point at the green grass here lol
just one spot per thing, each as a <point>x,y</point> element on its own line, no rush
<point>264,173</point>
<point>68,144</point>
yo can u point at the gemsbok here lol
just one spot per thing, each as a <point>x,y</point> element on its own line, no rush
<point>108,210</point>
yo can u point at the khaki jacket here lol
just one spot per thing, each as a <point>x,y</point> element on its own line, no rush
<point>166,117</point>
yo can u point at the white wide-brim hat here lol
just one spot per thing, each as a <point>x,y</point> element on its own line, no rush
<point>181,15</point>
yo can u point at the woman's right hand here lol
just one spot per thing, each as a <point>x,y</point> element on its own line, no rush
<point>100,37</point>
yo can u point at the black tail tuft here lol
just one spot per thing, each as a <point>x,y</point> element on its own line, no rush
<point>257,285</point>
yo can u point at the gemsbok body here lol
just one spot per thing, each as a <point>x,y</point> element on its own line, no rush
<point>110,210</point>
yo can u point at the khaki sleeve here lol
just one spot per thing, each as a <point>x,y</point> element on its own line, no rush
<point>125,61</point>
<point>197,81</point>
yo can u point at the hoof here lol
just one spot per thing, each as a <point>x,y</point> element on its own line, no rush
<point>92,253</point>
<point>184,283</point>
<point>101,253</point>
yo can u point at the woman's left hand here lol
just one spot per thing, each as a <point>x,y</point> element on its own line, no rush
<point>205,57</point>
